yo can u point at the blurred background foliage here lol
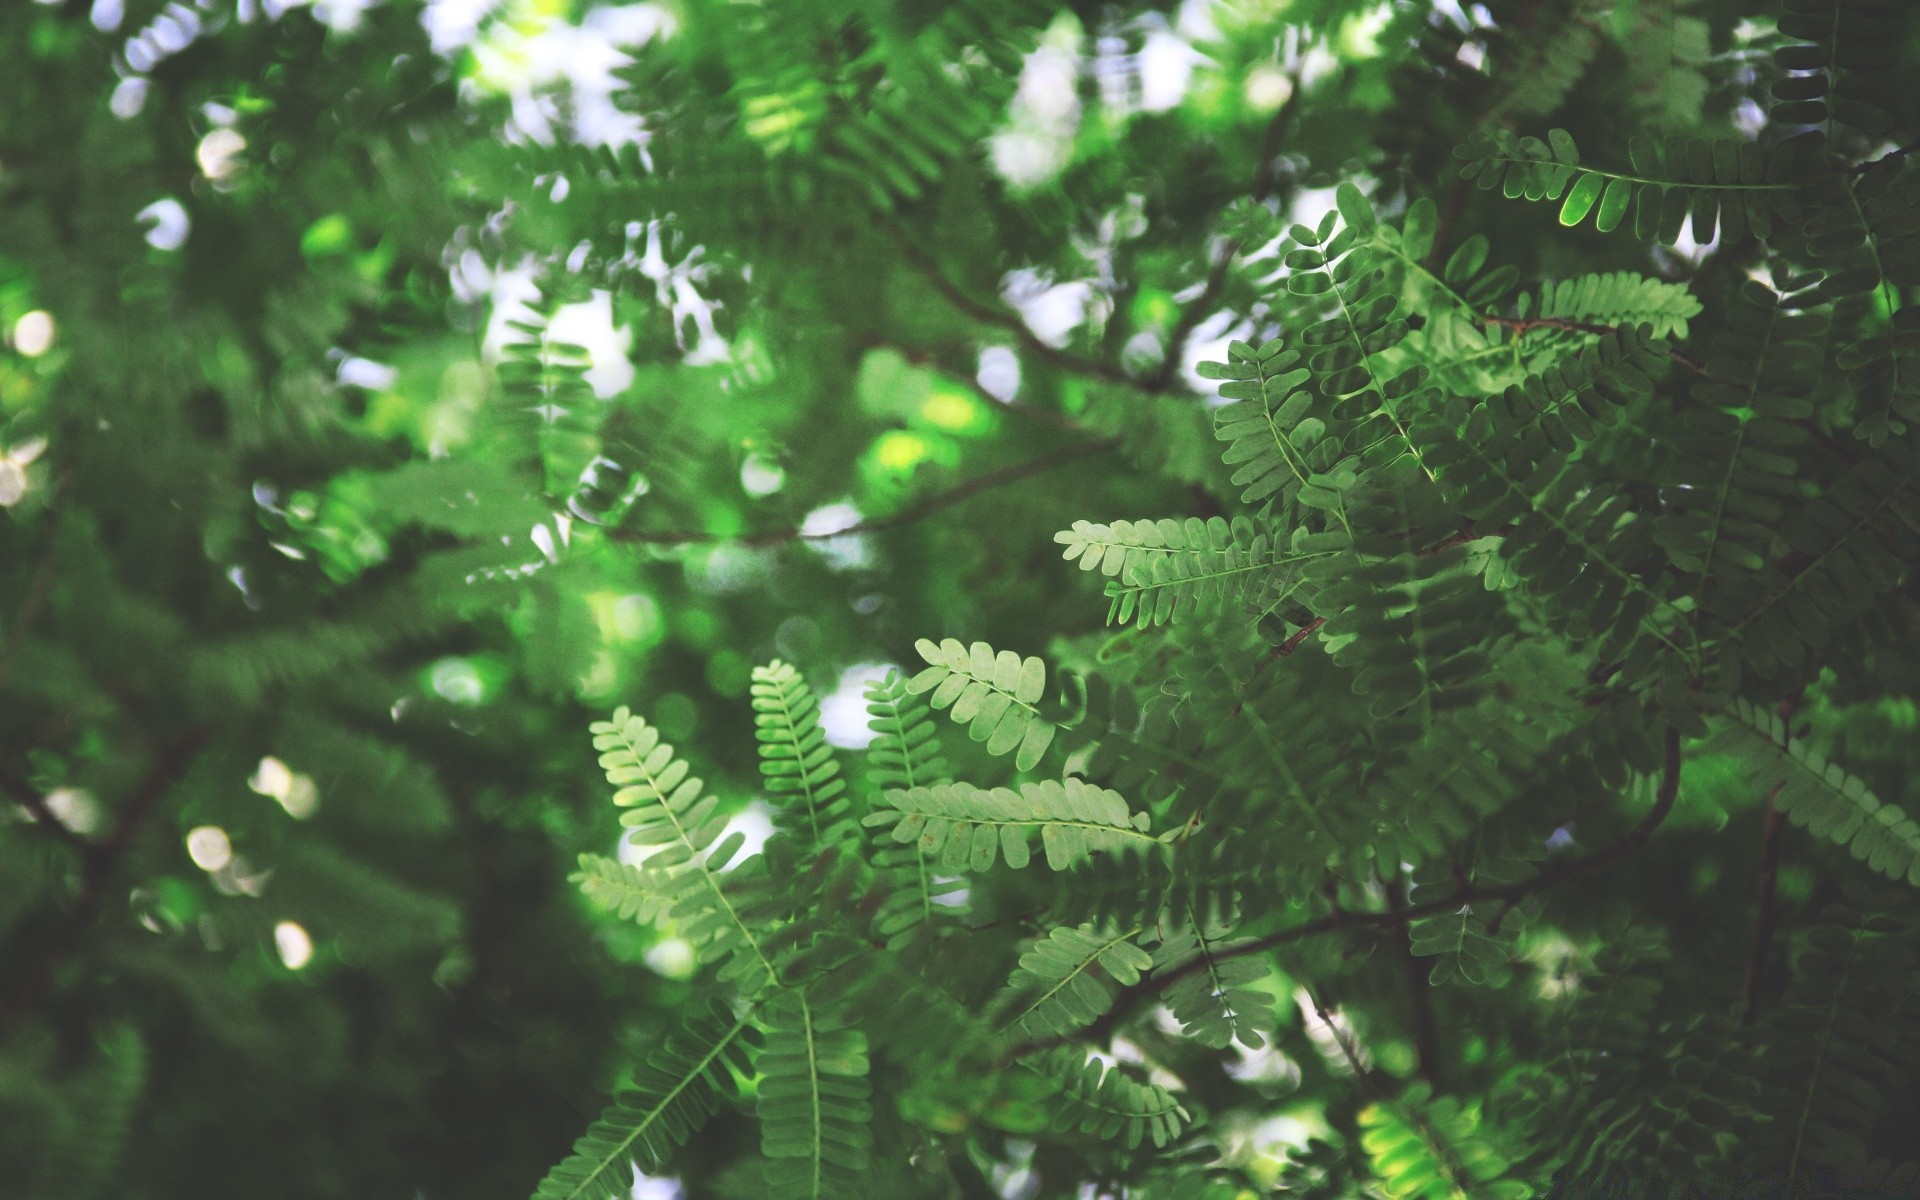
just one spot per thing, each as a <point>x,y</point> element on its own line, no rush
<point>390,389</point>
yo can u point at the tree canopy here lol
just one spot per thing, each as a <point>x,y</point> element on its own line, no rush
<point>873,598</point>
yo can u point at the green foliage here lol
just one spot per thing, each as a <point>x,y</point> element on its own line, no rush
<point>672,1094</point>
<point>813,1100</point>
<point>1456,766</point>
<point>1819,794</point>
<point>1102,1100</point>
<point>1065,979</point>
<point>1432,1147</point>
<point>993,694</point>
<point>970,828</point>
<point>795,760</point>
<point>669,812</point>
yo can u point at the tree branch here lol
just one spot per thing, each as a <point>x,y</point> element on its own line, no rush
<point>1006,319</point>
<point>97,865</point>
<point>1521,325</point>
<point>917,511</point>
<point>1553,876</point>
<point>43,817</point>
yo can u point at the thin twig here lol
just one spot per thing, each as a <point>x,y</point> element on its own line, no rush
<point>918,511</point>
<point>1553,875</point>
<point>1005,318</point>
<point>97,866</point>
<point>43,817</point>
<point>1024,412</point>
<point>1900,152</point>
<point>1521,325</point>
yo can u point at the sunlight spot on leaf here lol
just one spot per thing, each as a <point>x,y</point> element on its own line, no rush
<point>219,154</point>
<point>999,373</point>
<point>899,451</point>
<point>1267,88</point>
<point>209,847</point>
<point>456,681</point>
<point>1166,61</point>
<point>843,712</point>
<point>167,223</point>
<point>73,808</point>
<point>33,333</point>
<point>761,476</point>
<point>294,944</point>
<point>656,1187</point>
<point>671,958</point>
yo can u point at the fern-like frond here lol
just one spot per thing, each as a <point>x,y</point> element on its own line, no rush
<point>1217,1005</point>
<point>1725,185</point>
<point>815,1115</point>
<point>1065,980</point>
<point>552,412</point>
<point>1106,1101</point>
<point>1348,352</point>
<point>1166,567</point>
<point>1466,946</point>
<point>1853,544</point>
<point>1859,231</point>
<point>1821,796</point>
<point>1573,534</point>
<point>795,761</point>
<point>1845,1038</point>
<point>905,751</point>
<point>667,810</point>
<point>1405,609</point>
<point>995,695</point>
<point>623,887</point>
<point>672,1094</point>
<point>970,828</point>
<point>1850,51</point>
<point>1434,1147</point>
<point>1616,298</point>
<point>1736,462</point>
<point>1281,438</point>
<point>904,754</point>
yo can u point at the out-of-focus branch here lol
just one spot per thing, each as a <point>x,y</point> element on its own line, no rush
<point>917,511</point>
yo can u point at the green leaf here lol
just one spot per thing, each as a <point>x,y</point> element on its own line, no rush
<point>1580,199</point>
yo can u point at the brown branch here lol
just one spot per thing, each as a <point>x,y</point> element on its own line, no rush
<point>43,817</point>
<point>918,357</point>
<point>1305,631</point>
<point>1004,318</point>
<point>1520,325</point>
<point>917,511</point>
<point>1554,875</point>
<point>1462,538</point>
<point>1265,179</point>
<point>97,866</point>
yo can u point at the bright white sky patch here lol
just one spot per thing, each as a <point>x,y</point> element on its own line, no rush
<point>167,224</point>
<point>33,333</point>
<point>1167,61</point>
<point>209,847</point>
<point>843,712</point>
<point>294,945</point>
